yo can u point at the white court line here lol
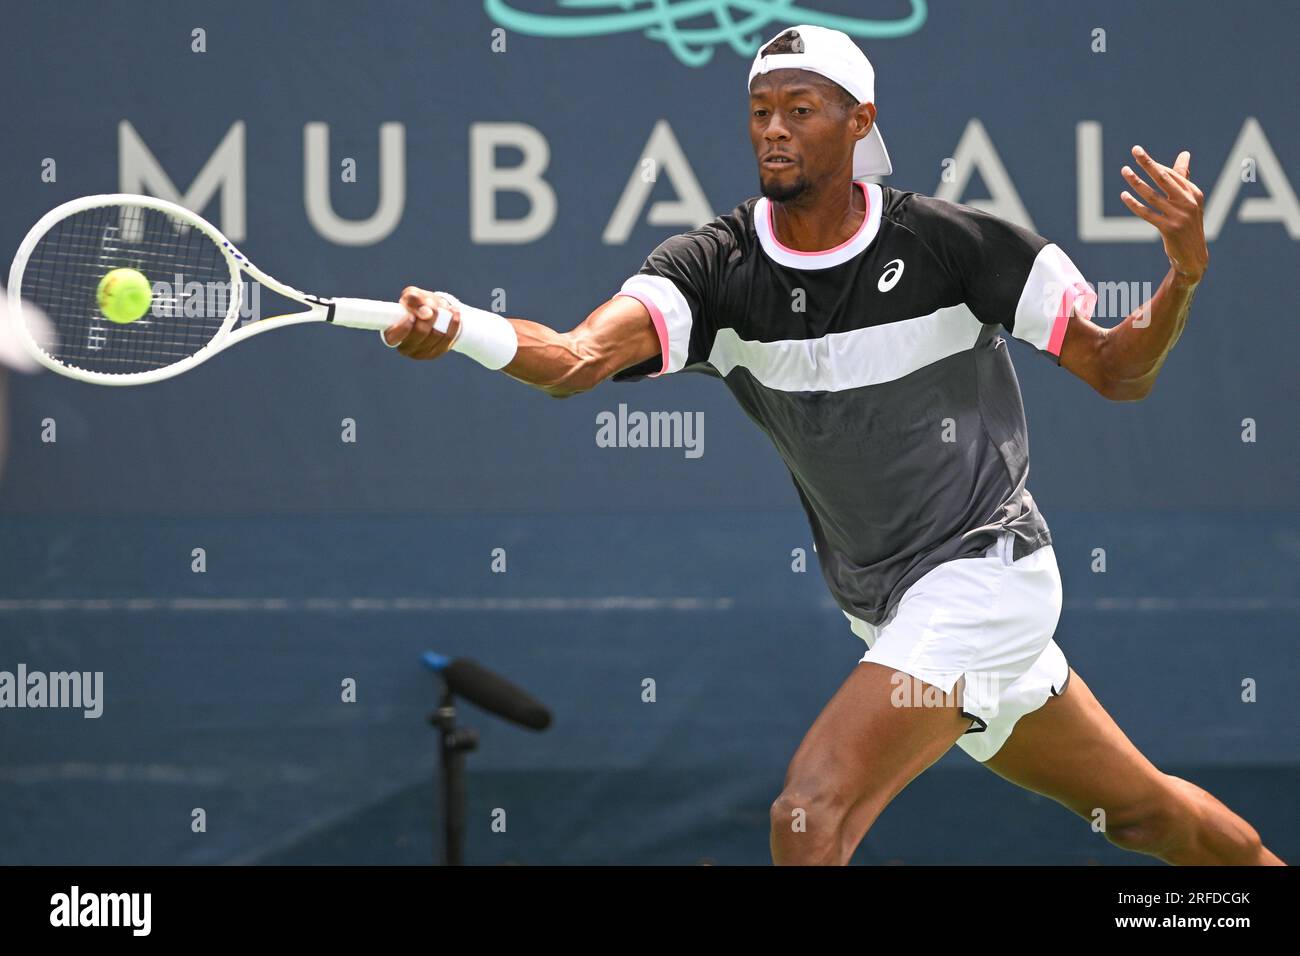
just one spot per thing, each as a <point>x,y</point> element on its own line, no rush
<point>382,605</point>
<point>1165,604</point>
<point>155,773</point>
<point>1152,604</point>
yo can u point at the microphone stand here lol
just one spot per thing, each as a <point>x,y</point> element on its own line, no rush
<point>456,742</point>
<point>496,695</point>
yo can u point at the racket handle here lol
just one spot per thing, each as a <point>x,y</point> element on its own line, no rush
<point>371,314</point>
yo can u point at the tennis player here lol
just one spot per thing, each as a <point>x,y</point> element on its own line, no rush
<point>858,326</point>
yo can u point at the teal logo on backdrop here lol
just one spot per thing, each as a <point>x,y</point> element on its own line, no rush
<point>742,29</point>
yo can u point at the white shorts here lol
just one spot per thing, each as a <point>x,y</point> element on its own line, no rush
<point>989,618</point>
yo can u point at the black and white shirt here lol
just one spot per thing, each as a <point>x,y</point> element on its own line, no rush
<point>877,370</point>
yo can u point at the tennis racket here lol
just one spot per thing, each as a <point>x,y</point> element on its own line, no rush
<point>196,292</point>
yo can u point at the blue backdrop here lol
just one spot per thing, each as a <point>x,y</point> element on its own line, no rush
<point>329,560</point>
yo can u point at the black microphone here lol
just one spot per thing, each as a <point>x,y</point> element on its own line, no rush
<point>492,692</point>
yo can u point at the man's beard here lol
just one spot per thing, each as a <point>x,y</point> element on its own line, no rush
<point>782,190</point>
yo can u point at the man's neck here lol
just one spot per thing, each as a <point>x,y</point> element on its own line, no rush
<point>821,223</point>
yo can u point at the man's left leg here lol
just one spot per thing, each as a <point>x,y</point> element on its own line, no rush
<point>1071,750</point>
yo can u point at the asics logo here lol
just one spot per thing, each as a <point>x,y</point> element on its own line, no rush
<point>893,272</point>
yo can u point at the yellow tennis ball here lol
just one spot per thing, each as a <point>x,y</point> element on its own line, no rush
<point>124,295</point>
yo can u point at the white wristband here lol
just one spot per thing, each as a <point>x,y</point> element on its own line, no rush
<point>486,337</point>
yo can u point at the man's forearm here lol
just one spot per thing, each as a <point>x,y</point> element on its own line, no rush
<point>1136,348</point>
<point>617,335</point>
<point>548,360</point>
<point>1132,353</point>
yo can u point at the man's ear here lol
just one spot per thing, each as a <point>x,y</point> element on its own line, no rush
<point>865,113</point>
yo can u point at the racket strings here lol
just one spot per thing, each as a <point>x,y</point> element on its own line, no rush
<point>190,277</point>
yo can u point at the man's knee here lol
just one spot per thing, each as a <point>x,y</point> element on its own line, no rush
<point>807,808</point>
<point>810,815</point>
<point>1214,829</point>
<point>1167,823</point>
<point>1148,824</point>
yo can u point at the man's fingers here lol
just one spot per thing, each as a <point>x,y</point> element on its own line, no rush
<point>1142,188</point>
<point>1174,186</point>
<point>429,328</point>
<point>398,331</point>
<point>415,299</point>
<point>1139,210</point>
<point>423,342</point>
<point>1183,169</point>
<point>1158,172</point>
<point>414,341</point>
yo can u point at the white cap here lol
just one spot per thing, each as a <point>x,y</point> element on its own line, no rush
<point>836,57</point>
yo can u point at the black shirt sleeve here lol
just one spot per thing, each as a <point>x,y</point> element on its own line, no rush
<point>678,285</point>
<point>1008,275</point>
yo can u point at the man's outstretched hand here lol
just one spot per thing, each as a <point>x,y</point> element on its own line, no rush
<point>1176,210</point>
<point>415,336</point>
